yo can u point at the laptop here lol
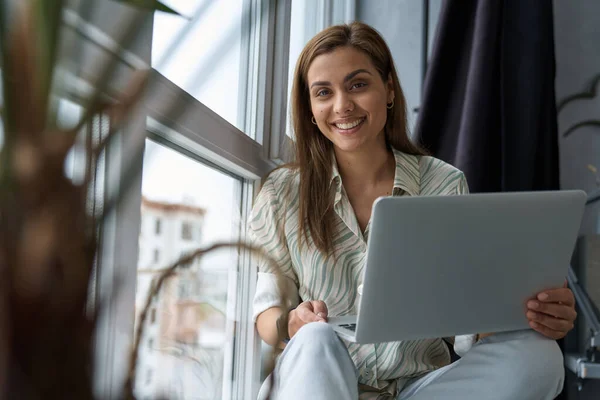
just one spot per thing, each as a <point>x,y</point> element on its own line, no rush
<point>439,266</point>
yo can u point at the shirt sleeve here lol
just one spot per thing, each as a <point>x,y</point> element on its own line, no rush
<point>266,230</point>
<point>463,343</point>
<point>462,187</point>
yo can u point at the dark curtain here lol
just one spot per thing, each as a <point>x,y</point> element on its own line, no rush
<point>488,104</point>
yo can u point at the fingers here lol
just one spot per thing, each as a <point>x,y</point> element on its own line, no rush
<point>306,313</point>
<point>552,313</point>
<point>546,331</point>
<point>560,311</point>
<point>560,295</point>
<point>556,324</point>
<point>320,308</point>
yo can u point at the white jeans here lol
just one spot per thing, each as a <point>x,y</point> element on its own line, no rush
<point>520,365</point>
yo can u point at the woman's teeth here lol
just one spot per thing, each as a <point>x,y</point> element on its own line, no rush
<point>349,125</point>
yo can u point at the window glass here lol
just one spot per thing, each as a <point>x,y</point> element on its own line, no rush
<point>186,231</point>
<point>208,60</point>
<point>190,323</point>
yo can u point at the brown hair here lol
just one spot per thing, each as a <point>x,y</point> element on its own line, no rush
<point>313,151</point>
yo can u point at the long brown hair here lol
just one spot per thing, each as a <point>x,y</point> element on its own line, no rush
<point>313,151</point>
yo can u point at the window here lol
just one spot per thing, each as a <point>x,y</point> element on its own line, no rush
<point>194,323</point>
<point>208,61</point>
<point>186,231</point>
<point>222,133</point>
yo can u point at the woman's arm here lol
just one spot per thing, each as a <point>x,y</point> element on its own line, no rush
<point>275,290</point>
<point>266,324</point>
<point>305,313</point>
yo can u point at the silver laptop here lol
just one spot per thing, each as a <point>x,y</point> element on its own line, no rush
<point>439,266</point>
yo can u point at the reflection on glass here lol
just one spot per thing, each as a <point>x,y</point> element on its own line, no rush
<point>208,59</point>
<point>186,348</point>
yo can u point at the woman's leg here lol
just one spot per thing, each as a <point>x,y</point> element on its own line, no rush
<point>520,365</point>
<point>315,365</point>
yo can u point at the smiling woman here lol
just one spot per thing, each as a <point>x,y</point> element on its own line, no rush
<point>344,75</point>
<point>313,217</point>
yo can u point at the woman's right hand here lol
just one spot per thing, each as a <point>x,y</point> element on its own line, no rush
<point>306,312</point>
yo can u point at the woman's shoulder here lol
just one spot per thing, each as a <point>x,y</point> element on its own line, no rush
<point>439,177</point>
<point>282,179</point>
<point>434,166</point>
<point>280,184</point>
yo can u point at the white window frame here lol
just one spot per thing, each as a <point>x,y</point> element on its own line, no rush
<point>266,48</point>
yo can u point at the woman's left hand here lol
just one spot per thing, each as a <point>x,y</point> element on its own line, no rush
<point>552,313</point>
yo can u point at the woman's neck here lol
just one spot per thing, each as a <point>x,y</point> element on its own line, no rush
<point>366,168</point>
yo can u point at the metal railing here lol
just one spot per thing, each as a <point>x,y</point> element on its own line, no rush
<point>585,366</point>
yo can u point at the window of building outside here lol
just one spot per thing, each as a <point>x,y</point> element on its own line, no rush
<point>187,231</point>
<point>157,228</point>
<point>149,376</point>
<point>156,256</point>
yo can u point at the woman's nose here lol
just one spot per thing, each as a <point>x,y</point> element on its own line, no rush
<point>343,104</point>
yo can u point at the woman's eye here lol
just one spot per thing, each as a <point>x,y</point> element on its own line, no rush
<point>322,92</point>
<point>358,85</point>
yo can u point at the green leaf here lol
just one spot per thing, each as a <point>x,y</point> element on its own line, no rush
<point>154,5</point>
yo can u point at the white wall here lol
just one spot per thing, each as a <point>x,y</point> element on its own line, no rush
<point>400,24</point>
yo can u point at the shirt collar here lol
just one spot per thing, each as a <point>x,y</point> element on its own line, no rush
<point>407,176</point>
<point>408,173</point>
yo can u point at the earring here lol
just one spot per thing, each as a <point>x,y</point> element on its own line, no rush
<point>391,105</point>
<point>313,120</point>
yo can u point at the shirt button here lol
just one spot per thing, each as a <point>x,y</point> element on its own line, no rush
<point>367,373</point>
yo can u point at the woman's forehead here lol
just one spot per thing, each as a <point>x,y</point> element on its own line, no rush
<point>336,65</point>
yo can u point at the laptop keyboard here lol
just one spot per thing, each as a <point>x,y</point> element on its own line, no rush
<point>351,327</point>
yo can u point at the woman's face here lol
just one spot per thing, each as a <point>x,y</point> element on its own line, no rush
<point>348,99</point>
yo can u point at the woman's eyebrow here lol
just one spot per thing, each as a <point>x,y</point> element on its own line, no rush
<point>346,79</point>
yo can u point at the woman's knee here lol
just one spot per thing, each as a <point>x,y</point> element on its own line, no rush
<point>539,364</point>
<point>317,338</point>
<point>547,358</point>
<point>317,333</point>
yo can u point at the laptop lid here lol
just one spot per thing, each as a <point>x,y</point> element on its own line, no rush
<point>439,266</point>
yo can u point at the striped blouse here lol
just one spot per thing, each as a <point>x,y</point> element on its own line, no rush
<point>313,275</point>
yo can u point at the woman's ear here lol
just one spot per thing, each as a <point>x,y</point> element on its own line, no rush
<point>390,89</point>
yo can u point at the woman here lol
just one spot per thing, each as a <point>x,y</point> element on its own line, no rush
<point>313,217</point>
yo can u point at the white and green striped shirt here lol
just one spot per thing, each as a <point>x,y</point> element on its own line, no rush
<point>313,275</point>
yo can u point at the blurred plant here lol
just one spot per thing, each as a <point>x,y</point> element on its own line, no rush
<point>48,236</point>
